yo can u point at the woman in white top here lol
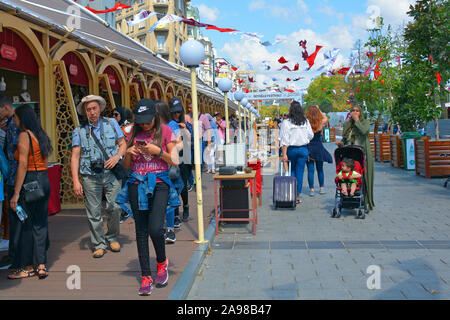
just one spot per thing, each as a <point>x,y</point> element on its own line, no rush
<point>295,134</point>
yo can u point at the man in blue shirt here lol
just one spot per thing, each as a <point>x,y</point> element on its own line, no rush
<point>89,161</point>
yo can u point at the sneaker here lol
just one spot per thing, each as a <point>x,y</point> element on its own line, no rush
<point>170,236</point>
<point>146,286</point>
<point>4,245</point>
<point>5,263</point>
<point>190,187</point>
<point>123,216</point>
<point>99,253</point>
<point>162,275</point>
<point>311,193</point>
<point>185,214</point>
<point>114,246</point>
<point>322,191</point>
<point>177,222</point>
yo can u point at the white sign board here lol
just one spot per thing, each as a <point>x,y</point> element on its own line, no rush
<point>274,95</point>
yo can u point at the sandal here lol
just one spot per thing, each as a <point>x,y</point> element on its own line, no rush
<point>42,275</point>
<point>21,274</point>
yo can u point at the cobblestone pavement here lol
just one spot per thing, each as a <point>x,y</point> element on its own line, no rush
<point>306,254</point>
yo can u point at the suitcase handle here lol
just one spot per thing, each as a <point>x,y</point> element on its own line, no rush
<point>282,169</point>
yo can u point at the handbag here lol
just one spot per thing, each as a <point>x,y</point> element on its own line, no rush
<point>174,173</point>
<point>32,191</point>
<point>119,170</point>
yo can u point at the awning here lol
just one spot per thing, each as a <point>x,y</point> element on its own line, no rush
<point>94,32</point>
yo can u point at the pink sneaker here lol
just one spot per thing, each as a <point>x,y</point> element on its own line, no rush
<point>146,286</point>
<point>162,275</point>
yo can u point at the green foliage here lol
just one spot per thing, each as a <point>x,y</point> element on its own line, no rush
<point>272,111</point>
<point>427,55</point>
<point>326,99</point>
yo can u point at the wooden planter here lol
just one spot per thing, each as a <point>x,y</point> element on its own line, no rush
<point>372,143</point>
<point>333,134</point>
<point>432,157</point>
<point>382,148</point>
<point>396,151</point>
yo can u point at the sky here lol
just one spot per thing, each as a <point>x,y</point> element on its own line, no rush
<point>331,24</point>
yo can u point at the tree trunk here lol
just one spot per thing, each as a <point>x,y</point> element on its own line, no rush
<point>436,128</point>
<point>442,101</point>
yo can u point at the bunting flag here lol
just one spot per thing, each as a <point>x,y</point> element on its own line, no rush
<point>141,17</point>
<point>117,7</point>
<point>278,40</point>
<point>296,67</point>
<point>266,65</point>
<point>353,58</point>
<point>299,78</point>
<point>245,90</point>
<point>330,58</point>
<point>343,71</point>
<point>289,90</point>
<point>234,68</point>
<point>302,44</point>
<point>438,78</point>
<point>251,79</point>
<point>312,58</point>
<point>165,20</point>
<point>211,27</point>
<point>282,60</point>
<point>288,79</point>
<point>240,81</point>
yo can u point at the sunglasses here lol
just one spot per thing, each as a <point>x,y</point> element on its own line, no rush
<point>355,110</point>
<point>115,114</point>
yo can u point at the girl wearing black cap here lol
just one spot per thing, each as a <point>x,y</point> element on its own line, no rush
<point>151,149</point>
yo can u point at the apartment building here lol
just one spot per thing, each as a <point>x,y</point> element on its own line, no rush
<point>165,41</point>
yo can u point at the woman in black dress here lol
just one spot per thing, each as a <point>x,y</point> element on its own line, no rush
<point>317,152</point>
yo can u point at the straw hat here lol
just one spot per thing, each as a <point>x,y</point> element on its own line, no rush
<point>90,98</point>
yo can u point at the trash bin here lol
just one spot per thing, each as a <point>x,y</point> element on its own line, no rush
<point>326,134</point>
<point>409,158</point>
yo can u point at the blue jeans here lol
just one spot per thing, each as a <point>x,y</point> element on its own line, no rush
<point>320,175</point>
<point>298,157</point>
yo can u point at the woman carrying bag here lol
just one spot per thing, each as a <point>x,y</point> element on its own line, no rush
<point>31,192</point>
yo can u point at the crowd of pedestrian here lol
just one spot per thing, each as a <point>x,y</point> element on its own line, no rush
<point>139,163</point>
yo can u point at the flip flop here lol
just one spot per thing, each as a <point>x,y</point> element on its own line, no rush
<point>17,274</point>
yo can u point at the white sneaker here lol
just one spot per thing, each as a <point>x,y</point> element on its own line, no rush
<point>4,245</point>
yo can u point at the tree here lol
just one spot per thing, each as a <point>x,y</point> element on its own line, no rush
<point>325,90</point>
<point>427,57</point>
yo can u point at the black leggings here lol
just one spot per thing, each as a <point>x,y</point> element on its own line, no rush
<point>185,171</point>
<point>150,222</point>
<point>31,240</point>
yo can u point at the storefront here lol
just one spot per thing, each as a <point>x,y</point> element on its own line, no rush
<point>19,70</point>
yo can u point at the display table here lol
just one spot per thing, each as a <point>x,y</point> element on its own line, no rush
<point>236,177</point>
<point>54,172</point>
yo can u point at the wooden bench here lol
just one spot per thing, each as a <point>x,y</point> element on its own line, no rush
<point>432,157</point>
<point>372,142</point>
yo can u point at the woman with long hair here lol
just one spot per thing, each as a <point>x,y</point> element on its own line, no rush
<point>32,153</point>
<point>150,150</point>
<point>295,134</point>
<point>317,153</point>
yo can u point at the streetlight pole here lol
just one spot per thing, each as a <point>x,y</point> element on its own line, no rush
<point>225,85</point>
<point>192,54</point>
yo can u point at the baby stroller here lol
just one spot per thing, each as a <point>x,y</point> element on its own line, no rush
<point>351,202</point>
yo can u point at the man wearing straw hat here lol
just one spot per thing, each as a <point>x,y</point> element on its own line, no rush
<point>90,162</point>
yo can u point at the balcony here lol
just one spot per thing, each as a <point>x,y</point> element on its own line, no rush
<point>160,3</point>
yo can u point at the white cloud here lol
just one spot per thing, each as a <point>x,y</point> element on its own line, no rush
<point>302,6</point>
<point>208,14</point>
<point>393,12</point>
<point>256,5</point>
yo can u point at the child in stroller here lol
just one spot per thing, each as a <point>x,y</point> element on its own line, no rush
<point>348,177</point>
<point>350,170</point>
